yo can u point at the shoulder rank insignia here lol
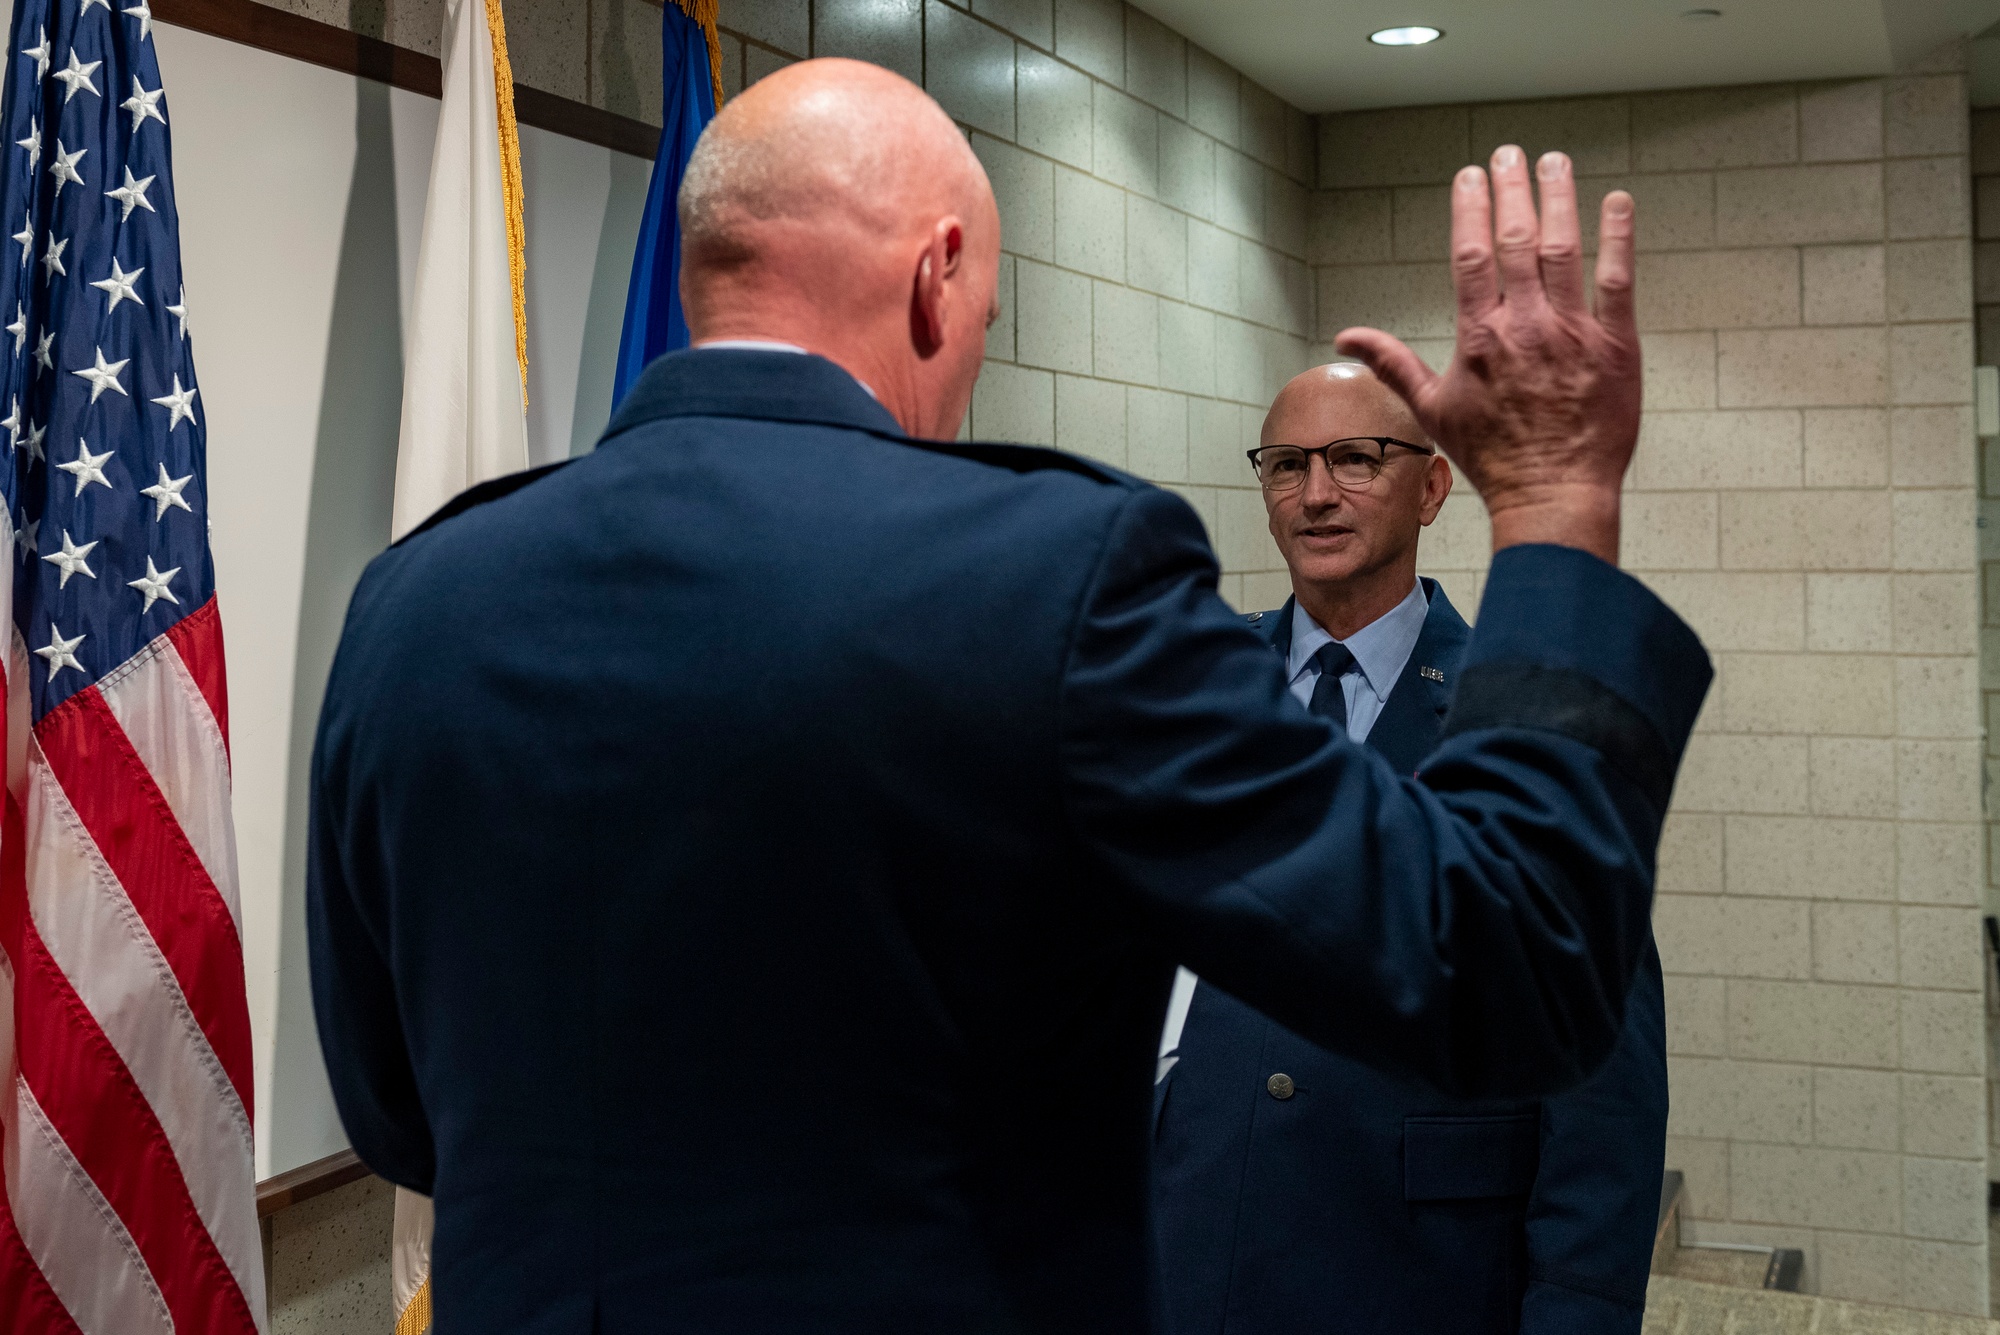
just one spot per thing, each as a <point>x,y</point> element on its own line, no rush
<point>1431,674</point>
<point>1255,617</point>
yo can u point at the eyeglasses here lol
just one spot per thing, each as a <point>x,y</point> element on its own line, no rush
<point>1353,463</point>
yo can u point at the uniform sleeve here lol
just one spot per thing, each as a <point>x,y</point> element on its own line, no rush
<point>1477,927</point>
<point>354,1000</point>
<point>1594,1210</point>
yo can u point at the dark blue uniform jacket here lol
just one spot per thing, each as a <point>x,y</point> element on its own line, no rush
<point>747,864</point>
<point>1366,1202</point>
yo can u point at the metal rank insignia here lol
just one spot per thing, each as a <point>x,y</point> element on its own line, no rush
<point>1431,674</point>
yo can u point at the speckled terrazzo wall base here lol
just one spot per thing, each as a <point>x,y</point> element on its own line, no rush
<point>328,1262</point>
<point>1685,1307</point>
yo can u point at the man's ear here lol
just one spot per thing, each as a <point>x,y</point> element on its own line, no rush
<point>930,297</point>
<point>1437,486</point>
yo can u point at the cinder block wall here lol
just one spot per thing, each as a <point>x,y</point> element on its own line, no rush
<point>1804,492</point>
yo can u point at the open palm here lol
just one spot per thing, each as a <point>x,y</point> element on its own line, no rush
<point>1540,405</point>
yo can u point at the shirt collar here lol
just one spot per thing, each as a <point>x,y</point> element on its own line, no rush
<point>1381,649</point>
<point>751,345</point>
<point>762,383</point>
<point>772,345</point>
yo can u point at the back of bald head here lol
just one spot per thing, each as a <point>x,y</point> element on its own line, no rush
<point>820,164</point>
<point>1337,393</point>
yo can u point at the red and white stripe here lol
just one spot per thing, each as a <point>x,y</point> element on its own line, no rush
<point>125,1141</point>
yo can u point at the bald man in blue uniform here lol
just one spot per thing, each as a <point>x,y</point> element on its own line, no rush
<point>748,863</point>
<point>1297,1190</point>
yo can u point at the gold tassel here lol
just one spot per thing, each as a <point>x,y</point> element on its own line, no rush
<point>706,13</point>
<point>510,185</point>
<point>416,1318</point>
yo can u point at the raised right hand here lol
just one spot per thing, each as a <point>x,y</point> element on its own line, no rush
<point>1540,405</point>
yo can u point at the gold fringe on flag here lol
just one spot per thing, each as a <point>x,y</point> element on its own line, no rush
<point>705,13</point>
<point>510,179</point>
<point>416,1318</point>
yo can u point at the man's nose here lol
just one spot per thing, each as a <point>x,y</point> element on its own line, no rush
<point>1321,491</point>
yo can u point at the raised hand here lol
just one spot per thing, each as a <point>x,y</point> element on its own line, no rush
<point>1540,405</point>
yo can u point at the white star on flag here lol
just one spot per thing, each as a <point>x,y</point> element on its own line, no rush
<point>33,143</point>
<point>87,468</point>
<point>143,104</point>
<point>179,404</point>
<point>144,14</point>
<point>63,166</point>
<point>19,329</point>
<point>43,356</point>
<point>166,494</point>
<point>154,585</point>
<point>35,434</point>
<point>52,257</point>
<point>24,536</point>
<point>119,285</point>
<point>61,653</point>
<point>180,312</point>
<point>104,375</point>
<point>26,236</point>
<point>12,424</point>
<point>70,560</point>
<point>77,77</point>
<point>84,8</point>
<point>132,195</point>
<point>39,54</point>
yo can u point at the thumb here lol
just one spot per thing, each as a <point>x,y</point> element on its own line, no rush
<point>1393,364</point>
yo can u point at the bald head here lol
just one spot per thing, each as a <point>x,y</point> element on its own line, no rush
<point>833,204</point>
<point>835,144</point>
<point>1339,399</point>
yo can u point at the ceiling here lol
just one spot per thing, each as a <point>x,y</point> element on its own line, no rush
<point>1317,56</point>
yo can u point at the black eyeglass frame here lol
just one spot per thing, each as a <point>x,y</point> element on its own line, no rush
<point>1321,450</point>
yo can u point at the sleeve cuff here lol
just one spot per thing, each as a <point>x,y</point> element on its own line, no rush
<point>1566,643</point>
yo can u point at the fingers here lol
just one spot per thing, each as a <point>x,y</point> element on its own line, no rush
<point>1472,269</point>
<point>1562,238</point>
<point>1614,267</point>
<point>1393,364</point>
<point>1516,234</point>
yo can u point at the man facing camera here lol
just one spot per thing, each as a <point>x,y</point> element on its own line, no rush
<point>1301,1191</point>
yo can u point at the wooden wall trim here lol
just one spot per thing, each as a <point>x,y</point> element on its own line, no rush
<point>307,1181</point>
<point>318,43</point>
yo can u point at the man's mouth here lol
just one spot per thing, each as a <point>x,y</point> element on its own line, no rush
<point>1325,532</point>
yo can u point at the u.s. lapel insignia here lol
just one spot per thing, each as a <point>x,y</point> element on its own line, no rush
<point>1431,674</point>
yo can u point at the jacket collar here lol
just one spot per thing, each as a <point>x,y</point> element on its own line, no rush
<point>1412,719</point>
<point>743,382</point>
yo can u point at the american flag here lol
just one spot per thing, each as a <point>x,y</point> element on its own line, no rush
<point>130,1202</point>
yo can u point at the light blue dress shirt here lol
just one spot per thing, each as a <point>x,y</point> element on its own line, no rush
<point>1381,650</point>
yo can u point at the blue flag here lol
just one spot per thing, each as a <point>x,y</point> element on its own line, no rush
<point>654,320</point>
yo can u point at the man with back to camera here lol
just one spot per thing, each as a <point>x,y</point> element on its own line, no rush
<point>748,863</point>
<point>1296,1190</point>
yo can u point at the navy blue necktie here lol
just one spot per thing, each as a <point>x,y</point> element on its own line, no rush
<point>1329,701</point>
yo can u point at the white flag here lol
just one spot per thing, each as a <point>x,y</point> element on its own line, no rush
<point>465,374</point>
<point>465,349</point>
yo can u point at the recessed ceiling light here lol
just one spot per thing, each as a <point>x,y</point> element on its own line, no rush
<point>1701,15</point>
<point>1417,36</point>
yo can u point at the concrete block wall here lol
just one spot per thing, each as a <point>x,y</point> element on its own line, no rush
<point>1154,205</point>
<point>1805,493</point>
